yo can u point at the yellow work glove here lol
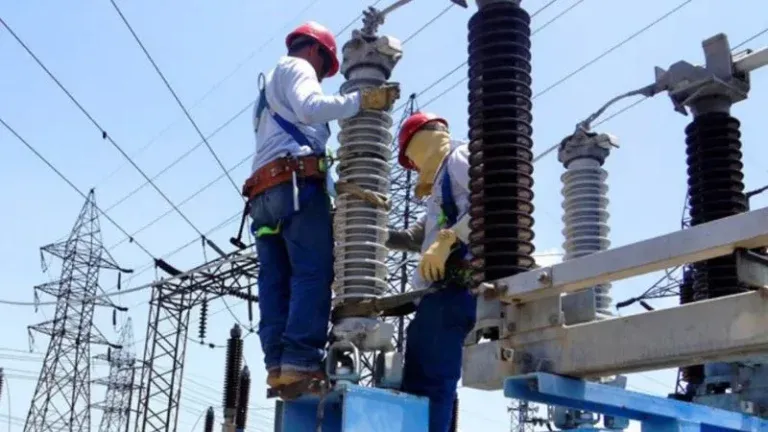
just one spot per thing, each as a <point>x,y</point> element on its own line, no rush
<point>380,98</point>
<point>432,264</point>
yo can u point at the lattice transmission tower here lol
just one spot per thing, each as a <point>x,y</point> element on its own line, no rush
<point>165,346</point>
<point>62,397</point>
<point>522,416</point>
<point>120,383</point>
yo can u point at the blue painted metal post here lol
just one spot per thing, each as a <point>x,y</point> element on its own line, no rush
<point>654,413</point>
<point>352,408</point>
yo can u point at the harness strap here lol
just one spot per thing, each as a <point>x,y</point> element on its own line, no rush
<point>288,127</point>
<point>457,267</point>
<point>298,136</point>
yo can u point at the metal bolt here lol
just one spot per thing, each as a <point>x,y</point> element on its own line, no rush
<point>554,319</point>
<point>507,354</point>
<point>543,277</point>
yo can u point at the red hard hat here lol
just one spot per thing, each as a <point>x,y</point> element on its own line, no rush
<point>323,36</point>
<point>409,128</point>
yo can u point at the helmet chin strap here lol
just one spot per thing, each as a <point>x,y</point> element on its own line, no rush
<point>427,150</point>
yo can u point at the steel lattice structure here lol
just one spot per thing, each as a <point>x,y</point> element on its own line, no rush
<point>120,383</point>
<point>522,416</point>
<point>62,397</point>
<point>168,326</point>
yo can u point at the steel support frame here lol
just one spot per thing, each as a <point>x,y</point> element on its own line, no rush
<point>655,413</point>
<point>168,326</point>
<point>534,337</point>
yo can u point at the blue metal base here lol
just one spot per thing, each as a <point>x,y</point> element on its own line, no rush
<point>654,413</point>
<point>354,408</point>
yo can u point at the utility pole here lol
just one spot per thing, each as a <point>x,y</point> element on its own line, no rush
<point>62,397</point>
<point>120,383</point>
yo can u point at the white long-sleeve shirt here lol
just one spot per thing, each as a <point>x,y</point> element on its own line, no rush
<point>293,91</point>
<point>457,164</point>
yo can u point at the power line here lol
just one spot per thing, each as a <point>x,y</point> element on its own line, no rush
<point>614,47</point>
<point>639,101</point>
<point>72,185</point>
<point>104,133</point>
<point>430,22</point>
<point>138,288</point>
<point>464,63</point>
<point>221,127</point>
<point>435,83</point>
<point>181,158</point>
<point>571,74</point>
<point>181,203</point>
<point>215,87</point>
<point>218,84</point>
<point>175,97</point>
<point>351,23</point>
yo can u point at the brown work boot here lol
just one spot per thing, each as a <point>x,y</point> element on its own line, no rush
<point>289,376</point>
<point>273,378</point>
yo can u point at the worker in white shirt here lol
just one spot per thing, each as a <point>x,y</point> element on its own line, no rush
<point>289,206</point>
<point>435,336</point>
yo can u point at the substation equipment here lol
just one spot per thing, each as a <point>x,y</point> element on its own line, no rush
<point>547,334</point>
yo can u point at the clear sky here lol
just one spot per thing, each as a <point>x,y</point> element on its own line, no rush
<point>211,52</point>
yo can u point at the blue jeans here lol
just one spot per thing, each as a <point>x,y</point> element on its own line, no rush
<point>433,349</point>
<point>295,275</point>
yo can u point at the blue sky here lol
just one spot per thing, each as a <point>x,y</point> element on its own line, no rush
<point>212,52</point>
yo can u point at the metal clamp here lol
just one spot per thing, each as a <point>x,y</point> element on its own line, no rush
<point>338,356</point>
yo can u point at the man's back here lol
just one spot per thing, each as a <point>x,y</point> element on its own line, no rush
<point>293,92</point>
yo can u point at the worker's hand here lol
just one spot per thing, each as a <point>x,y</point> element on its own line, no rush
<point>432,264</point>
<point>380,98</point>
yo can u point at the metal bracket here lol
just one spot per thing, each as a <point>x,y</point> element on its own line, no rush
<point>373,18</point>
<point>724,78</point>
<point>655,413</point>
<point>710,240</point>
<point>751,268</point>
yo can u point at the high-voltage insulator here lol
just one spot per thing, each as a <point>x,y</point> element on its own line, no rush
<point>209,419</point>
<point>500,145</point>
<point>2,381</point>
<point>713,147</point>
<point>585,205</point>
<point>203,324</point>
<point>244,391</point>
<point>232,372</point>
<point>360,227</point>
<point>363,160</point>
<point>716,191</point>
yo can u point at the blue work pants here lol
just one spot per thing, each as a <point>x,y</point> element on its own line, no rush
<point>295,276</point>
<point>433,349</point>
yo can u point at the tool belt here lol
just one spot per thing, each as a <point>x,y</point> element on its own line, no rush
<point>282,171</point>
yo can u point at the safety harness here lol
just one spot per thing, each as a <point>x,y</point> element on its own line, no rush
<point>289,128</point>
<point>284,169</point>
<point>457,267</point>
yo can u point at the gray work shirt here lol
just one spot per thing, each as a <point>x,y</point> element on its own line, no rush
<point>293,92</point>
